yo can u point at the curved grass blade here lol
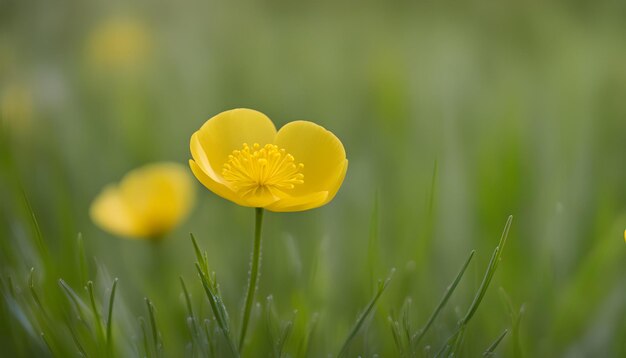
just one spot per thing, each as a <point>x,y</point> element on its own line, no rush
<point>382,286</point>
<point>43,250</point>
<point>33,292</point>
<point>146,344</point>
<point>110,314</point>
<point>516,317</point>
<point>156,337</point>
<point>491,270</point>
<point>94,309</point>
<point>217,306</point>
<point>202,261</point>
<point>79,306</point>
<point>397,336</point>
<point>372,246</point>
<point>187,298</point>
<point>494,345</point>
<point>446,296</point>
<point>451,342</point>
<point>82,261</point>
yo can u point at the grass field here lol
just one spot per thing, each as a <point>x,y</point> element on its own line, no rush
<point>454,116</point>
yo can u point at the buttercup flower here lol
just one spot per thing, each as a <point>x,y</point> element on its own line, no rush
<point>239,155</point>
<point>147,203</point>
<point>118,43</point>
<point>16,107</point>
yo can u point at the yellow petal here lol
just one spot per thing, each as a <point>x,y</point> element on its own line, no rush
<point>319,150</point>
<point>112,214</point>
<point>218,188</point>
<point>148,202</point>
<point>332,191</point>
<point>159,194</point>
<point>225,132</point>
<point>300,203</point>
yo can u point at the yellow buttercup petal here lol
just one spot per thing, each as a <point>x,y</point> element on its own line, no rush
<point>310,201</point>
<point>300,203</point>
<point>319,150</point>
<point>217,188</point>
<point>159,194</point>
<point>148,202</point>
<point>228,131</point>
<point>332,191</point>
<point>200,157</point>
<point>110,212</point>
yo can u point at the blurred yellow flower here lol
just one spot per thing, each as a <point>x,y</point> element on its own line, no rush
<point>118,44</point>
<point>239,155</point>
<point>16,107</point>
<point>147,203</point>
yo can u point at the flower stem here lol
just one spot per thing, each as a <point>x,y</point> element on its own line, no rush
<point>255,265</point>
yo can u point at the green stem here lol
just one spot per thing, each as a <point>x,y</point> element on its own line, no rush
<point>254,274</point>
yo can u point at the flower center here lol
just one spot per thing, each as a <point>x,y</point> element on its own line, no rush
<point>260,170</point>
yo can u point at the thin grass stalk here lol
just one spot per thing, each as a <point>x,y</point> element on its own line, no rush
<point>446,296</point>
<point>110,317</point>
<point>158,345</point>
<point>382,286</point>
<point>494,345</point>
<point>82,261</point>
<point>96,314</point>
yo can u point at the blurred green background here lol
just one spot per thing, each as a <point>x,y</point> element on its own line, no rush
<point>453,114</point>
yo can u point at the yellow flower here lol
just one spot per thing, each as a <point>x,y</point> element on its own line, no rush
<point>147,203</point>
<point>239,155</point>
<point>16,108</point>
<point>119,43</point>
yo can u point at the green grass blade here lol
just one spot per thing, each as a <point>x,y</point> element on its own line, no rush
<point>304,346</point>
<point>494,345</point>
<point>397,336</point>
<point>218,310</point>
<point>202,261</point>
<point>418,337</point>
<point>43,250</point>
<point>406,319</point>
<point>79,306</point>
<point>33,292</point>
<point>452,341</point>
<point>382,286</point>
<point>209,338</point>
<point>110,314</point>
<point>146,344</point>
<point>82,260</point>
<point>516,317</point>
<point>372,246</point>
<point>96,314</point>
<point>156,340</point>
<point>285,334</point>
<point>187,297</point>
<point>212,297</point>
<point>47,343</point>
<point>491,269</point>
<point>75,338</point>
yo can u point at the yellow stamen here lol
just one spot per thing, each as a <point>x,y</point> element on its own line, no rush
<point>257,170</point>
